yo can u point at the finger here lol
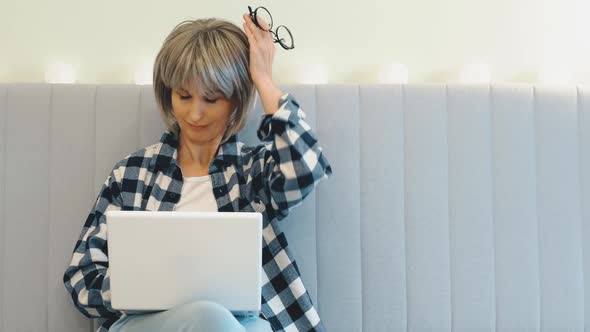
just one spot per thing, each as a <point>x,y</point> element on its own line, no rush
<point>266,31</point>
<point>250,24</point>
<point>256,32</point>
<point>249,34</point>
<point>263,23</point>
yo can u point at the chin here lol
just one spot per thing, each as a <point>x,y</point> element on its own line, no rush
<point>200,134</point>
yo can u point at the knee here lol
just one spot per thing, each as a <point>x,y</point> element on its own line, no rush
<point>204,315</point>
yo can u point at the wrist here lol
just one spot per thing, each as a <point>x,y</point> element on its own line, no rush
<point>262,81</point>
<point>270,95</point>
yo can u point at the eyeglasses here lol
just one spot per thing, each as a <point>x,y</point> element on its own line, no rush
<point>286,39</point>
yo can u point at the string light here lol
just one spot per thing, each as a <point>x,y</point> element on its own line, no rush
<point>317,73</point>
<point>555,74</point>
<point>144,73</point>
<point>394,73</point>
<point>475,72</point>
<point>313,73</point>
<point>60,72</point>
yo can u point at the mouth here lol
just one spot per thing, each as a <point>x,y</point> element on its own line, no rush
<point>198,127</point>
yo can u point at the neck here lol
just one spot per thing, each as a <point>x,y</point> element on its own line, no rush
<point>200,155</point>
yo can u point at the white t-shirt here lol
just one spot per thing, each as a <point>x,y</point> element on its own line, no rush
<point>197,195</point>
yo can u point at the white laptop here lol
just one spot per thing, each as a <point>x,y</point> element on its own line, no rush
<point>162,259</point>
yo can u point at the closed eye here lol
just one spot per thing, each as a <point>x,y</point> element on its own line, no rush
<point>211,101</point>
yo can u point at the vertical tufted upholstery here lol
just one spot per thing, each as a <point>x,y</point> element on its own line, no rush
<point>451,207</point>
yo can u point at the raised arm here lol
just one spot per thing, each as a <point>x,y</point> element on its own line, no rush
<point>289,167</point>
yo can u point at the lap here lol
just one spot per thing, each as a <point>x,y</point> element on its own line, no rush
<point>194,316</point>
<point>254,324</point>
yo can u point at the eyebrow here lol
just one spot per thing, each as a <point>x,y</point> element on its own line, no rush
<point>217,94</point>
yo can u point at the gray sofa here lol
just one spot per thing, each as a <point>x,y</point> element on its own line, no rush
<point>451,207</point>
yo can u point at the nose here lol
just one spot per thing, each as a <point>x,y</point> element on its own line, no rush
<point>196,111</point>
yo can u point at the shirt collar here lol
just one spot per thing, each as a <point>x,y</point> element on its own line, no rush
<point>227,153</point>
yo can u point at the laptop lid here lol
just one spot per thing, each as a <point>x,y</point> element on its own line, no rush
<point>162,259</point>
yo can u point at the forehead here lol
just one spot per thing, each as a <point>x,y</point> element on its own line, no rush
<point>190,86</point>
<point>193,86</point>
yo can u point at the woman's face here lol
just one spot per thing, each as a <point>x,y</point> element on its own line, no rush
<point>192,109</point>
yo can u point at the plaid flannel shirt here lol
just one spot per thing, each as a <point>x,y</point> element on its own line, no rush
<point>270,178</point>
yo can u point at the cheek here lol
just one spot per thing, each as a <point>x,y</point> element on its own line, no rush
<point>174,106</point>
<point>220,113</point>
<point>177,108</point>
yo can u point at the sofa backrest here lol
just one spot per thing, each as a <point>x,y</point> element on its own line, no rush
<point>463,207</point>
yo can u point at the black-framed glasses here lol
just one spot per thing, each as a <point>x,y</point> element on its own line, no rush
<point>285,38</point>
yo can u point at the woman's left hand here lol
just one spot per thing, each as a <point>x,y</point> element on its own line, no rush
<point>262,50</point>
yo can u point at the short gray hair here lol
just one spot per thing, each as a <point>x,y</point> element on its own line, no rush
<point>213,52</point>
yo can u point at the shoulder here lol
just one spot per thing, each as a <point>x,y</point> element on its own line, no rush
<point>133,163</point>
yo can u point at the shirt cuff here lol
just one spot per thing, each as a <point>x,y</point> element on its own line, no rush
<point>289,112</point>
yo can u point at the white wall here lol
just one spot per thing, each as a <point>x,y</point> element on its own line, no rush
<point>107,40</point>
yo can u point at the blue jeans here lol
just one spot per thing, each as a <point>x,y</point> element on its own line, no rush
<point>197,316</point>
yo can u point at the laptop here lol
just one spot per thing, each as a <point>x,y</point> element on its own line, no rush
<point>162,259</point>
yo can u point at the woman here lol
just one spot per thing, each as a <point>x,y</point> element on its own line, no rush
<point>204,80</point>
